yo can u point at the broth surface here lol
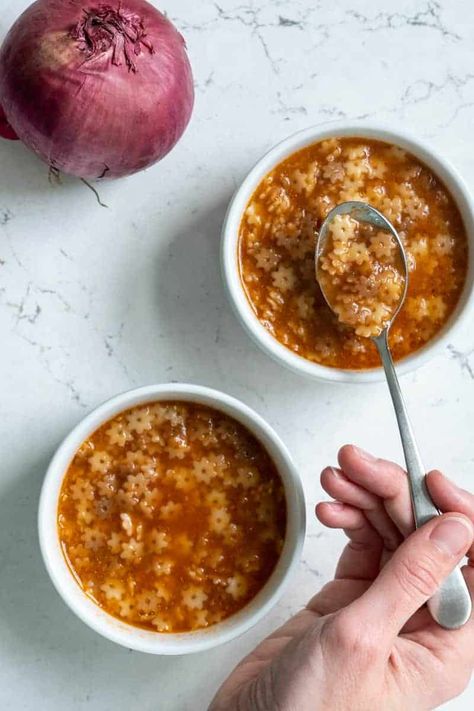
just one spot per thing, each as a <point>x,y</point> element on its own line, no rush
<point>277,242</point>
<point>172,516</point>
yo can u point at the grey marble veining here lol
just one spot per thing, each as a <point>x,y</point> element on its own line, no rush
<point>96,300</point>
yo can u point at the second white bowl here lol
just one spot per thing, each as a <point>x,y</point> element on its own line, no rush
<point>135,637</point>
<point>230,237</point>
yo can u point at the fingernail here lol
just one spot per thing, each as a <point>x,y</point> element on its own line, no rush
<point>365,455</point>
<point>333,471</point>
<point>452,535</point>
<point>337,505</point>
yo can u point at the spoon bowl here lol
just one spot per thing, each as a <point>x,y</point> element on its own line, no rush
<point>366,214</point>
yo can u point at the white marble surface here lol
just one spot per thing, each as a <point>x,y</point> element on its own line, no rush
<point>94,301</point>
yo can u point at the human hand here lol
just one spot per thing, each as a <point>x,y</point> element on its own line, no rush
<point>366,641</point>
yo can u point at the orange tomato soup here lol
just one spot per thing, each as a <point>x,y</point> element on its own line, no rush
<point>277,243</point>
<point>172,516</point>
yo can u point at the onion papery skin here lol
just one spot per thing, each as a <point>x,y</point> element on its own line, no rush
<point>96,89</point>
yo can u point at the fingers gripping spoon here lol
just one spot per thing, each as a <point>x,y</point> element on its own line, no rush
<point>451,605</point>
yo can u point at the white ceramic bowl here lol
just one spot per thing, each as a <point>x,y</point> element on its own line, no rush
<point>230,234</point>
<point>134,637</point>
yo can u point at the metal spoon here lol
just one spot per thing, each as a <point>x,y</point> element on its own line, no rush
<point>451,605</point>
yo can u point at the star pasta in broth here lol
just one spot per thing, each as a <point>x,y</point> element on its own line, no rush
<point>362,275</point>
<point>172,516</point>
<point>277,243</point>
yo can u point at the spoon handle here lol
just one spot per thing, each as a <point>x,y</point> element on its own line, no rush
<point>451,605</point>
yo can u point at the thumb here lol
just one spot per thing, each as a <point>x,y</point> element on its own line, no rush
<point>415,572</point>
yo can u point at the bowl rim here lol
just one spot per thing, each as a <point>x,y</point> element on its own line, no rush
<point>134,637</point>
<point>421,149</point>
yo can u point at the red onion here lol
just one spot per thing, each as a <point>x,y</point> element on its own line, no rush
<point>6,130</point>
<point>95,89</point>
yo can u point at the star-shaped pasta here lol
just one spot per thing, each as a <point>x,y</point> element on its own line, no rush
<point>140,420</point>
<point>100,462</point>
<point>158,541</point>
<point>237,586</point>
<point>118,434</point>
<point>115,542</point>
<point>81,490</point>
<point>194,597</point>
<point>93,538</point>
<point>113,590</point>
<point>219,520</point>
<point>170,510</point>
<point>132,550</point>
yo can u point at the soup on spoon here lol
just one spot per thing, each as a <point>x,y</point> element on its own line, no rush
<point>362,272</point>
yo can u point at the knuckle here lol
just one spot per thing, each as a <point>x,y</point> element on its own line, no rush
<point>360,546</point>
<point>417,576</point>
<point>347,635</point>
